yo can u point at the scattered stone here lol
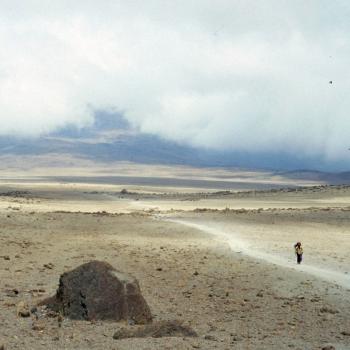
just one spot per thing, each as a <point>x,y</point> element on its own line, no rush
<point>6,257</point>
<point>347,333</point>
<point>38,326</point>
<point>96,291</point>
<point>237,338</point>
<point>23,309</point>
<point>59,320</point>
<point>131,322</point>
<point>195,273</point>
<point>156,330</point>
<point>12,292</point>
<point>327,317</point>
<point>260,294</point>
<point>15,194</point>
<point>187,294</point>
<point>328,347</point>
<point>49,266</point>
<point>7,304</point>
<point>210,337</point>
<point>328,310</point>
<point>51,314</point>
<point>159,269</point>
<point>37,290</point>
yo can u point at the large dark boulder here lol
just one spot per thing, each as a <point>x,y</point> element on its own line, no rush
<point>96,291</point>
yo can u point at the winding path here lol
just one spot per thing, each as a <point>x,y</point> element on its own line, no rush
<point>238,245</point>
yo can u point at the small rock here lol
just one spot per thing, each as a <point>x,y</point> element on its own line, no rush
<point>315,300</point>
<point>51,313</point>
<point>8,304</point>
<point>328,347</point>
<point>195,273</point>
<point>237,338</point>
<point>159,269</point>
<point>6,257</point>
<point>49,266</point>
<point>131,322</point>
<point>59,320</point>
<point>260,294</point>
<point>327,317</point>
<point>23,309</point>
<point>2,347</point>
<point>210,337</point>
<point>328,310</point>
<point>38,326</point>
<point>347,333</point>
<point>12,293</point>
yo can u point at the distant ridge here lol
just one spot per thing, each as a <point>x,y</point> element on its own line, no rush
<point>314,175</point>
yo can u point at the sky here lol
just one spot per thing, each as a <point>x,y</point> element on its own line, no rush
<point>236,75</point>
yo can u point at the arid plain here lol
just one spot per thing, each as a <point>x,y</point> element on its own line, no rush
<point>210,248</point>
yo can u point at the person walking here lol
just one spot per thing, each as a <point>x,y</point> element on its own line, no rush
<point>298,252</point>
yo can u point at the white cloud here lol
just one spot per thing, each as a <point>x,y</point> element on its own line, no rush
<point>242,75</point>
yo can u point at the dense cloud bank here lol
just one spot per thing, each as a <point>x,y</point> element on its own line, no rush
<point>227,75</point>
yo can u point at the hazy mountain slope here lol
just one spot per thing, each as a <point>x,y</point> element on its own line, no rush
<point>111,138</point>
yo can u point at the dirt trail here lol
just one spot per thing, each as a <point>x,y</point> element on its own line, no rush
<point>239,245</point>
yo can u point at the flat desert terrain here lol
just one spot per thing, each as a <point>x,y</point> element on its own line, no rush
<point>213,254</point>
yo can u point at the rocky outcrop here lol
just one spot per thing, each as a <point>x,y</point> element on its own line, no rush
<point>96,291</point>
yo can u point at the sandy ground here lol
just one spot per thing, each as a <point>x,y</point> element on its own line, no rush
<point>269,236</point>
<point>228,273</point>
